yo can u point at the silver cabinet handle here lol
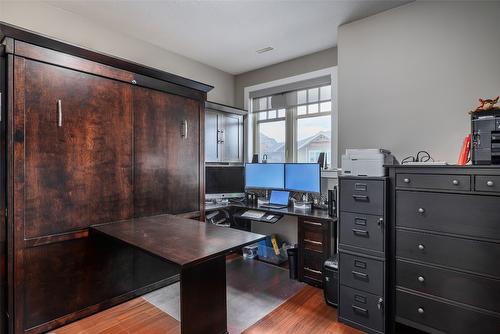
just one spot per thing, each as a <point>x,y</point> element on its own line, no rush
<point>420,310</point>
<point>406,180</point>
<point>313,242</point>
<point>313,271</point>
<point>455,182</point>
<point>380,303</point>
<point>421,247</point>
<point>59,113</point>
<point>421,211</point>
<point>490,183</point>
<point>421,279</point>
<point>184,129</point>
<point>312,223</point>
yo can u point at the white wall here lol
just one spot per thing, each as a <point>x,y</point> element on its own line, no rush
<point>409,76</point>
<point>64,25</point>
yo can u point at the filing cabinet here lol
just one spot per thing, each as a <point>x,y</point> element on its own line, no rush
<point>362,253</point>
<point>445,246</point>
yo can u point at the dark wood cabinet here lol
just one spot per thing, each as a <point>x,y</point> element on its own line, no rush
<point>167,153</point>
<point>87,139</point>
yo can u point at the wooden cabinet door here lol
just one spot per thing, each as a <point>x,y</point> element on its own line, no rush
<point>167,164</point>
<point>233,138</point>
<point>212,146</point>
<point>77,152</point>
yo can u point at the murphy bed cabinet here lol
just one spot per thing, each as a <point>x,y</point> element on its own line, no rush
<point>87,139</point>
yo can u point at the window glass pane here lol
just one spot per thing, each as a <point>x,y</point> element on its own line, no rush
<point>313,95</point>
<point>325,106</point>
<point>313,137</point>
<point>313,108</point>
<point>269,102</point>
<point>301,110</point>
<point>325,93</point>
<point>272,141</point>
<point>262,116</point>
<point>301,97</point>
<point>272,114</point>
<point>263,103</point>
<point>281,113</point>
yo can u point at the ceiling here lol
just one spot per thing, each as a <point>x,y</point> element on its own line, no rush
<point>227,34</point>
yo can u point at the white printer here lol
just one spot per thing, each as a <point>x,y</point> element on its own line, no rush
<point>366,162</point>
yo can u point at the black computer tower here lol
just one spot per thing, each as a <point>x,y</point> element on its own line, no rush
<point>331,281</point>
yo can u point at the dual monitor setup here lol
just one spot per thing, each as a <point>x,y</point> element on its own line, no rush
<point>225,182</point>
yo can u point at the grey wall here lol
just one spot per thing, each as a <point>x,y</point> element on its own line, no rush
<point>64,25</point>
<point>309,63</point>
<point>408,76</point>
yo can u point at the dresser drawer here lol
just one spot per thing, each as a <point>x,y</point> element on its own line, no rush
<point>454,285</point>
<point>313,239</point>
<point>313,265</point>
<point>471,255</point>
<point>487,183</point>
<point>433,181</point>
<point>472,215</point>
<point>362,273</point>
<point>361,308</point>
<point>363,196</point>
<point>362,231</point>
<point>444,317</point>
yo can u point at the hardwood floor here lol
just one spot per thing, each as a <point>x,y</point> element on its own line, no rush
<point>304,313</point>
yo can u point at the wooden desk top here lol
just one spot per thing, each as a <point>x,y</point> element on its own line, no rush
<point>179,240</point>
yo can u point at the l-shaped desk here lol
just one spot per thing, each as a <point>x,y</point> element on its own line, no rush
<point>199,249</point>
<point>317,238</point>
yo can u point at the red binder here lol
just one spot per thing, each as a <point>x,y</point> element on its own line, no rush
<point>464,153</point>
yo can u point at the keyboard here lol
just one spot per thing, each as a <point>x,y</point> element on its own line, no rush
<point>253,214</point>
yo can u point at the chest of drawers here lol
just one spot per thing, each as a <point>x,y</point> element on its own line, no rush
<point>445,248</point>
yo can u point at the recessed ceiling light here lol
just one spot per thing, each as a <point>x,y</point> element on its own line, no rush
<point>267,49</point>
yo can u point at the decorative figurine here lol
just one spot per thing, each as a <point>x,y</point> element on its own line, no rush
<point>487,104</point>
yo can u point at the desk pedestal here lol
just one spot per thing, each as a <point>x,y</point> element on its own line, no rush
<point>203,297</point>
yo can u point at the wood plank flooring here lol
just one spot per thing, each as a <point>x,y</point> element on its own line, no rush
<point>304,313</point>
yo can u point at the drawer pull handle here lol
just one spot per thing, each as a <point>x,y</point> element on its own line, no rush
<point>421,279</point>
<point>380,222</point>
<point>490,183</point>
<point>421,211</point>
<point>313,271</point>
<point>359,310</point>
<point>361,233</point>
<point>421,247</point>
<point>455,182</point>
<point>420,310</point>
<point>312,223</point>
<point>360,275</point>
<point>363,198</point>
<point>406,180</point>
<point>313,242</point>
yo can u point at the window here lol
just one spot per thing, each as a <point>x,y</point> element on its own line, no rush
<point>294,126</point>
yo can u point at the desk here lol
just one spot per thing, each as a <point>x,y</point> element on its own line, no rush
<point>317,238</point>
<point>200,250</point>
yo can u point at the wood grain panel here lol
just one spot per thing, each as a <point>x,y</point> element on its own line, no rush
<point>80,173</point>
<point>167,174</point>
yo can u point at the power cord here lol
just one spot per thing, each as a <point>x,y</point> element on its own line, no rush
<point>422,156</point>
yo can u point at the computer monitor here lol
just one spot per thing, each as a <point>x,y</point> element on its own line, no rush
<point>279,197</point>
<point>304,177</point>
<point>224,182</point>
<point>265,176</point>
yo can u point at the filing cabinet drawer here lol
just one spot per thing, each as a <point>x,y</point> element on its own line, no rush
<point>439,315</point>
<point>362,273</point>
<point>487,183</point>
<point>362,231</point>
<point>314,240</point>
<point>362,308</point>
<point>471,255</point>
<point>472,215</point>
<point>434,181</point>
<point>313,265</point>
<point>363,196</point>
<point>454,285</point>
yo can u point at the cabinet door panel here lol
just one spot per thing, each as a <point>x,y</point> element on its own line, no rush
<point>78,172</point>
<point>233,138</point>
<point>167,176</point>
<point>211,137</point>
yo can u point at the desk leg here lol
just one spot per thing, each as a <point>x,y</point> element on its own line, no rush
<point>203,298</point>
